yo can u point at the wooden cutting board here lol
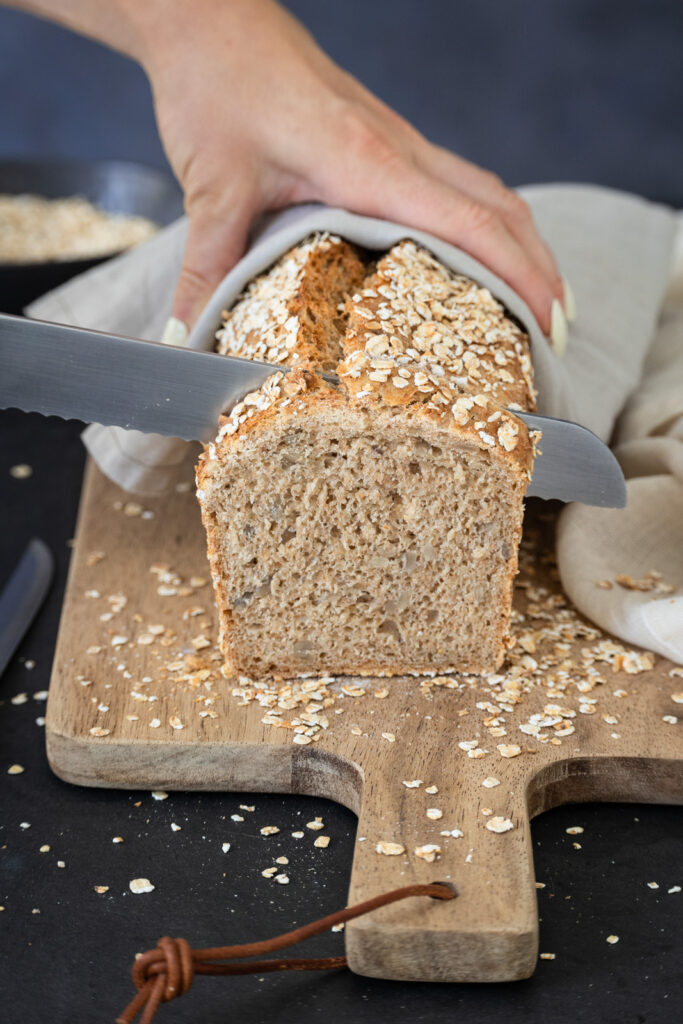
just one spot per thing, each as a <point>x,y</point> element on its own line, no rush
<point>135,703</point>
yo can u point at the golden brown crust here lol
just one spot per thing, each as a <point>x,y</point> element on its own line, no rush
<point>290,315</point>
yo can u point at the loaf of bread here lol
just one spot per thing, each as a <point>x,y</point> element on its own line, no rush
<point>369,528</point>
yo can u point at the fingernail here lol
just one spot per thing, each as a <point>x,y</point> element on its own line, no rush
<point>175,332</point>
<point>558,328</point>
<point>569,300</point>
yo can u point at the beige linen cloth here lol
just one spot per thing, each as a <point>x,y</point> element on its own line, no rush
<point>599,544</point>
<point>616,251</point>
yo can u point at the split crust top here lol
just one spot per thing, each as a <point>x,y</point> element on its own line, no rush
<point>411,336</point>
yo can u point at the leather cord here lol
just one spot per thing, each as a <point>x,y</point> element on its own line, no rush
<point>168,971</point>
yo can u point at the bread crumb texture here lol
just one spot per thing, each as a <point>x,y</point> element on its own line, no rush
<point>370,526</point>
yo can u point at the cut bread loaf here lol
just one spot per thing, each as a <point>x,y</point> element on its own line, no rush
<point>370,528</point>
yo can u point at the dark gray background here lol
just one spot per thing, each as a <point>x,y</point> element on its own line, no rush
<point>584,90</point>
<point>574,90</point>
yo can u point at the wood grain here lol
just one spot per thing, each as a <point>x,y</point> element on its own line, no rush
<point>490,933</point>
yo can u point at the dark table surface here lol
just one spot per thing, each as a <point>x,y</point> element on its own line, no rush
<point>65,950</point>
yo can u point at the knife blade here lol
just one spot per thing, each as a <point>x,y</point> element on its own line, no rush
<point>103,378</point>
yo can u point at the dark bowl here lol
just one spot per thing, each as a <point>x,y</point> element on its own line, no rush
<point>110,184</point>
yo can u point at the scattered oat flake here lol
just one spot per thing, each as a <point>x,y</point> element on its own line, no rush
<point>434,813</point>
<point>677,698</point>
<point>282,860</point>
<point>269,872</point>
<point>118,640</point>
<point>574,830</point>
<point>388,736</point>
<point>498,824</point>
<point>44,848</point>
<point>200,642</point>
<point>282,879</point>
<point>225,847</point>
<point>101,888</point>
<point>490,782</point>
<point>174,827</point>
<point>297,835</point>
<point>159,794</point>
<point>546,956</point>
<point>389,849</point>
<point>316,824</point>
<point>19,698</point>
<point>175,722</point>
<point>322,842</point>
<point>155,723</point>
<point>301,739</point>
<point>351,690</point>
<point>670,719</point>
<point>22,471</point>
<point>117,839</point>
<point>268,830</point>
<point>414,784</point>
<point>139,885</point>
<point>674,888</point>
<point>653,885</point>
<point>509,749</point>
<point>97,730</point>
<point>337,927</point>
<point>16,769</point>
<point>432,790</point>
<point>612,939</point>
<point>429,852</point>
<point>540,885</point>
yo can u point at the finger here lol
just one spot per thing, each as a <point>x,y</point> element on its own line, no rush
<point>215,242</point>
<point>488,189</point>
<point>467,177</point>
<point>370,176</point>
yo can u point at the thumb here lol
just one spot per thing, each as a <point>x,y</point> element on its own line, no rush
<point>215,242</point>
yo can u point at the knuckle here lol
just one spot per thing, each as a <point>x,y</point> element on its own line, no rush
<point>515,208</point>
<point>477,218</point>
<point>362,137</point>
<point>193,279</point>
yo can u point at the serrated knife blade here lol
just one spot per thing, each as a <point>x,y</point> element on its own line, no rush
<point>103,378</point>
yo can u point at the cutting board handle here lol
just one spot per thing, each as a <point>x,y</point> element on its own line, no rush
<point>490,932</point>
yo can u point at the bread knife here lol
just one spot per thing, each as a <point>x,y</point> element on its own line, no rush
<point>22,596</point>
<point>162,389</point>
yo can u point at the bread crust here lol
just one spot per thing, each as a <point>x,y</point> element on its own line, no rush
<point>469,413</point>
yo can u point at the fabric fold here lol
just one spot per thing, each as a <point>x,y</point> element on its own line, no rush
<point>596,547</point>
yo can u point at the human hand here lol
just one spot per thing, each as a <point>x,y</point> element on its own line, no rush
<point>254,117</point>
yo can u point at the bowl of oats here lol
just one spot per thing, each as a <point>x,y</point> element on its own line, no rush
<point>60,217</point>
